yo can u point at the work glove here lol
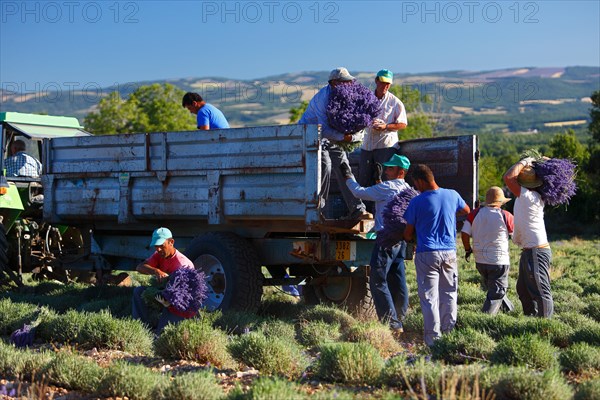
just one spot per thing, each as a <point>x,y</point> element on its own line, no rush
<point>162,300</point>
<point>468,254</point>
<point>377,172</point>
<point>346,171</point>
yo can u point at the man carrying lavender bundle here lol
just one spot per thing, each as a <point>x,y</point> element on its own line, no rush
<point>381,137</point>
<point>388,275</point>
<point>536,181</point>
<point>185,288</point>
<point>343,108</point>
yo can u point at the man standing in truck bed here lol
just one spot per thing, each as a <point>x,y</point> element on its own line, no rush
<point>207,115</point>
<point>333,156</point>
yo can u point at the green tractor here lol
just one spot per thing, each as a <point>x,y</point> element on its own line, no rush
<point>27,243</point>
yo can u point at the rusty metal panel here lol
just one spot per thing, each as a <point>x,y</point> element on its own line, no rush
<point>453,160</point>
<point>215,176</point>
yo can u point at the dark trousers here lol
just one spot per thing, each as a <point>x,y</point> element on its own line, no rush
<point>332,156</point>
<point>495,281</point>
<point>139,310</point>
<point>388,284</point>
<point>533,284</point>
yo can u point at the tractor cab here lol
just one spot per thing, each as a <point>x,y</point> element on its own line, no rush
<point>22,229</point>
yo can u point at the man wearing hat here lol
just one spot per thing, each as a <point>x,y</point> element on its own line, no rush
<point>533,283</point>
<point>388,276</point>
<point>165,260</point>
<point>490,227</point>
<point>333,156</point>
<point>381,138</point>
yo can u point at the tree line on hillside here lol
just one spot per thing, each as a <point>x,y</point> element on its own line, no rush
<point>156,108</point>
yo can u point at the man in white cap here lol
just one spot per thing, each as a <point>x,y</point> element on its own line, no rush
<point>165,260</point>
<point>333,155</point>
<point>490,227</point>
<point>533,283</point>
<point>388,275</point>
<point>381,138</point>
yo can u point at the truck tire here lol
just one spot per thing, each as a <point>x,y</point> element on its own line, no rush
<point>352,293</point>
<point>232,268</point>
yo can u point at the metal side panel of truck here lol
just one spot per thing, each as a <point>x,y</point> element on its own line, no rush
<point>236,200</point>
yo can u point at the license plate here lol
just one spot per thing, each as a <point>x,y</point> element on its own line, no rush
<point>345,250</point>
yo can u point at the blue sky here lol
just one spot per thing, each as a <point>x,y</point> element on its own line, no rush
<point>74,43</point>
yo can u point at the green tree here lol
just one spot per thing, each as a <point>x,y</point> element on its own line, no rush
<point>296,112</point>
<point>151,108</point>
<point>566,145</point>
<point>594,126</point>
<point>114,115</point>
<point>420,124</point>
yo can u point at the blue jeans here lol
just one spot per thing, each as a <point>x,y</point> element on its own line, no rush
<point>388,284</point>
<point>139,311</point>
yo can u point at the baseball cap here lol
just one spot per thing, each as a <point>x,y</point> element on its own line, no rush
<point>159,236</point>
<point>385,75</point>
<point>340,74</point>
<point>398,161</point>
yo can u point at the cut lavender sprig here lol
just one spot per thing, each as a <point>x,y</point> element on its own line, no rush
<point>558,177</point>
<point>186,289</point>
<point>352,107</point>
<point>23,337</point>
<point>393,218</point>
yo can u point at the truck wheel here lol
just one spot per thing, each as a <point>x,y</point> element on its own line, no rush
<point>232,269</point>
<point>352,293</point>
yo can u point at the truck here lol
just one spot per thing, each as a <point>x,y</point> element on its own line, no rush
<point>243,205</point>
<point>27,242</point>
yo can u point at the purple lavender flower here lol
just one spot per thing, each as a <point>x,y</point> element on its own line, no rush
<point>558,176</point>
<point>352,107</point>
<point>186,289</point>
<point>23,337</point>
<point>393,218</point>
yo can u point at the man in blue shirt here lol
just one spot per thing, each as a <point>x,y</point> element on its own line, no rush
<point>333,156</point>
<point>207,115</point>
<point>388,275</point>
<point>432,214</point>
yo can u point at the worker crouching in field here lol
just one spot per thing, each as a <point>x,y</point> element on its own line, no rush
<point>185,287</point>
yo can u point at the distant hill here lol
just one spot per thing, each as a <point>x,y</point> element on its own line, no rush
<point>508,100</point>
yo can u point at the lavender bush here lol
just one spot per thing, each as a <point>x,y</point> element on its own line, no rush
<point>558,176</point>
<point>186,289</point>
<point>352,107</point>
<point>393,218</point>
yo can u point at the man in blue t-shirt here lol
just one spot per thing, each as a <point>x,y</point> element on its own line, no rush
<point>432,215</point>
<point>207,115</point>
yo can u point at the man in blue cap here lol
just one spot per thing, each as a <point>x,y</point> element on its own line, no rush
<point>165,260</point>
<point>381,138</point>
<point>388,275</point>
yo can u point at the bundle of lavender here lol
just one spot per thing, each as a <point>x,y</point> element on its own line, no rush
<point>393,218</point>
<point>554,178</point>
<point>186,289</point>
<point>351,108</point>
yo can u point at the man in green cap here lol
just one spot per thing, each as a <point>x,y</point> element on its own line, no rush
<point>381,138</point>
<point>388,276</point>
